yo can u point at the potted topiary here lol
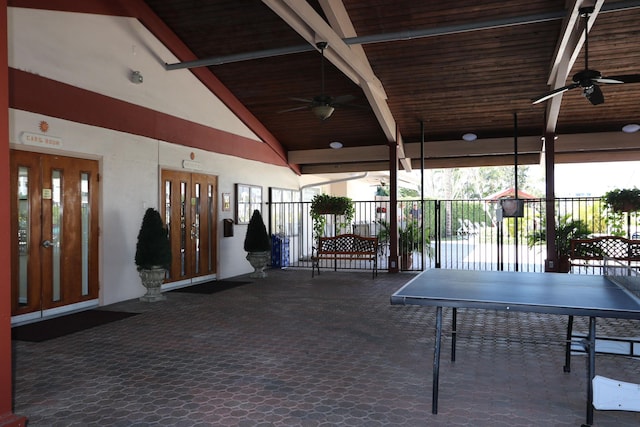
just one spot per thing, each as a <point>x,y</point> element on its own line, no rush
<point>623,200</point>
<point>258,245</point>
<point>153,255</point>
<point>323,204</point>
<point>566,229</point>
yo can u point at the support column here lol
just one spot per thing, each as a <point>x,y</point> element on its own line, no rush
<point>7,418</point>
<point>393,208</point>
<point>552,261</point>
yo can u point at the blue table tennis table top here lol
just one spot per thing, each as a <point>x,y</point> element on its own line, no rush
<point>553,293</point>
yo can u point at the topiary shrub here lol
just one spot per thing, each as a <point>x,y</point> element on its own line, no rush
<point>257,238</point>
<point>153,248</point>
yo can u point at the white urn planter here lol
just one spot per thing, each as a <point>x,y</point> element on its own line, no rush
<point>259,261</point>
<point>152,280</point>
<point>153,255</point>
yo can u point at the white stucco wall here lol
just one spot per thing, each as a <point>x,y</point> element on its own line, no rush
<point>129,168</point>
<point>98,53</point>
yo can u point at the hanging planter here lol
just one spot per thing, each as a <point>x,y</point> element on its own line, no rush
<point>623,200</point>
<point>323,204</point>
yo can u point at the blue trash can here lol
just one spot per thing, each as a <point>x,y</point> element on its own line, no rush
<point>279,251</point>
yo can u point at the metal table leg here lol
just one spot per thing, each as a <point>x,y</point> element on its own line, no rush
<point>454,333</point>
<point>591,369</point>
<point>567,350</point>
<point>436,361</point>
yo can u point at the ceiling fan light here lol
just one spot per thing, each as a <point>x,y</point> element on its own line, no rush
<point>469,137</point>
<point>631,128</point>
<point>335,145</point>
<point>323,112</point>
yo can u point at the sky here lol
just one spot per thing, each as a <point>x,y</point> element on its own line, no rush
<point>572,179</point>
<point>594,179</point>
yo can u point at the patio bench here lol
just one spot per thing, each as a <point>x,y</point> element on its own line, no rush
<point>591,252</point>
<point>345,247</point>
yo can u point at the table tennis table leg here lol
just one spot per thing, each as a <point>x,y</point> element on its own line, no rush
<point>591,369</point>
<point>436,361</point>
<point>567,350</point>
<point>454,333</point>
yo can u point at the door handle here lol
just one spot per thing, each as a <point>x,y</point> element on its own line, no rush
<point>47,244</point>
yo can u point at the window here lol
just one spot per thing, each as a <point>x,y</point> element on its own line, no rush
<point>248,199</point>
<point>285,211</point>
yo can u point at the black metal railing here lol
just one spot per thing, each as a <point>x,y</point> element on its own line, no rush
<point>460,234</point>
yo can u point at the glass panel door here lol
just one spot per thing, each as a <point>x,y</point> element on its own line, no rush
<point>204,213</point>
<point>190,215</point>
<point>54,231</point>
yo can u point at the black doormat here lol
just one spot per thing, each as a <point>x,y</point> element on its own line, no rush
<point>65,325</point>
<point>210,287</point>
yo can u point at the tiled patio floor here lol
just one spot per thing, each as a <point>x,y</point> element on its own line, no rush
<point>290,350</point>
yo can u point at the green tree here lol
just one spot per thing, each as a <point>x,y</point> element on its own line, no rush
<point>476,183</point>
<point>408,193</point>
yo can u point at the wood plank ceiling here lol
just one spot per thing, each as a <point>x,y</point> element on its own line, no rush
<point>414,68</point>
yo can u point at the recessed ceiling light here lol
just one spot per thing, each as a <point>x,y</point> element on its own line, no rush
<point>631,128</point>
<point>469,137</point>
<point>335,144</point>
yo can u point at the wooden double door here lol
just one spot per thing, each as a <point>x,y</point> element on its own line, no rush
<point>190,212</point>
<point>54,232</point>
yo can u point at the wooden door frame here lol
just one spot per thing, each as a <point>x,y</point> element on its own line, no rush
<point>71,276</point>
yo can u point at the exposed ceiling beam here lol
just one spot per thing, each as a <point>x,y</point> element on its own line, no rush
<point>486,161</point>
<point>568,48</point>
<point>440,163</point>
<point>598,156</point>
<point>313,28</point>
<point>491,148</point>
<point>347,154</point>
<point>341,23</point>
<point>390,37</point>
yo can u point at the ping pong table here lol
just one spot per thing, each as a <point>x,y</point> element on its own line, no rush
<point>551,293</point>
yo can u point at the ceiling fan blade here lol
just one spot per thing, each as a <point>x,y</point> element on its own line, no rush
<point>607,80</point>
<point>629,78</point>
<point>305,107</point>
<point>594,94</point>
<point>308,101</point>
<point>555,92</point>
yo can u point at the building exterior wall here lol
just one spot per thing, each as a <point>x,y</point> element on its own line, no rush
<point>81,64</point>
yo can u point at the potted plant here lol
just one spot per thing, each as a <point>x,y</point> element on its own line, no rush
<point>409,241</point>
<point>323,204</point>
<point>623,200</point>
<point>566,229</point>
<point>258,245</point>
<point>153,255</point>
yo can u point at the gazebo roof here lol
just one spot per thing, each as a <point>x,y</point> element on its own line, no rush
<point>509,193</point>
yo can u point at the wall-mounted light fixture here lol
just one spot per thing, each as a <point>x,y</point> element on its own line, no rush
<point>335,144</point>
<point>631,128</point>
<point>136,77</point>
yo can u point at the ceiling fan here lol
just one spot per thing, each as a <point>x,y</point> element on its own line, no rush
<point>588,79</point>
<point>322,105</point>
